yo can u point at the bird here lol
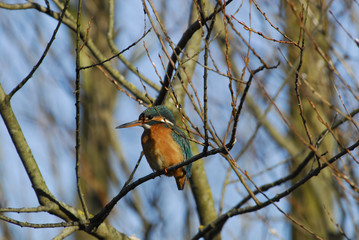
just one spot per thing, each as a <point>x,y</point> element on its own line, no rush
<point>164,144</point>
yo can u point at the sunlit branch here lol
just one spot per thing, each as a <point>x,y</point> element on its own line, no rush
<point>66,232</point>
<point>27,210</point>
<point>237,211</point>
<point>38,225</point>
<point>77,104</point>
<point>71,23</point>
<point>101,216</point>
<point>181,44</point>
<point>37,65</point>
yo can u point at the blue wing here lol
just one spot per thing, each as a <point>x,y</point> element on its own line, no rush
<point>180,137</point>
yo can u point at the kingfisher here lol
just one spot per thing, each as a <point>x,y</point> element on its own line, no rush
<point>164,144</point>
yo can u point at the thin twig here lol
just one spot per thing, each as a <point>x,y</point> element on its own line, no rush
<point>290,41</point>
<point>355,40</point>
<point>101,216</point>
<point>240,106</point>
<point>181,44</point>
<point>205,80</point>
<point>37,65</point>
<point>118,54</point>
<point>66,232</point>
<point>40,225</point>
<point>237,211</point>
<point>302,165</point>
<point>297,84</point>
<point>27,210</point>
<point>77,104</point>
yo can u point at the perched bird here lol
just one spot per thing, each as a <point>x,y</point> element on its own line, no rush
<point>163,143</point>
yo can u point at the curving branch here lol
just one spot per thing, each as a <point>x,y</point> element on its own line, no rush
<point>71,23</point>
<point>37,65</point>
<point>101,216</point>
<point>71,215</point>
<point>180,46</point>
<point>237,210</point>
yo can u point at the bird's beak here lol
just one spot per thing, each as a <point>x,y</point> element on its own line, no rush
<point>131,124</point>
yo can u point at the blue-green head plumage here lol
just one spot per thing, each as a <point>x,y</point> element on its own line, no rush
<point>156,111</point>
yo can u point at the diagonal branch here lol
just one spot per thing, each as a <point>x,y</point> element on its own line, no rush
<point>180,46</point>
<point>237,211</point>
<point>101,216</point>
<point>69,21</point>
<point>23,149</point>
<point>52,39</point>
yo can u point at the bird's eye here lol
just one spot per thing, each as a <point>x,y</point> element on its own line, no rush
<point>149,117</point>
<point>141,117</point>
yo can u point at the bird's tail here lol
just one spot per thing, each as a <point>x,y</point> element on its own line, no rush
<point>180,182</point>
<point>182,175</point>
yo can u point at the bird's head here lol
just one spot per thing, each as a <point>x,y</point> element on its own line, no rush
<point>151,116</point>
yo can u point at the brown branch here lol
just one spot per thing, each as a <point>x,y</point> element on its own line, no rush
<point>321,53</point>
<point>293,174</point>
<point>301,166</point>
<point>24,151</point>
<point>117,54</point>
<point>262,35</point>
<point>298,85</point>
<point>181,44</point>
<point>237,211</point>
<point>240,106</point>
<point>69,21</point>
<point>52,39</point>
<point>27,210</point>
<point>101,216</point>
<point>38,225</point>
<point>29,5</point>
<point>355,40</point>
<point>205,80</point>
<point>66,232</point>
<point>290,41</point>
<point>41,190</point>
<point>77,105</point>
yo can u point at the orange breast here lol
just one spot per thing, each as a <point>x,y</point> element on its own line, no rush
<point>160,149</point>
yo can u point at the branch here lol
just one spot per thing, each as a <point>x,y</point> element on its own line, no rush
<point>236,211</point>
<point>69,21</point>
<point>39,225</point>
<point>77,117</point>
<point>45,197</point>
<point>181,44</point>
<point>101,216</point>
<point>118,54</point>
<point>37,65</point>
<point>27,6</point>
<point>301,166</point>
<point>23,149</point>
<point>27,210</point>
<point>240,106</point>
<point>66,232</point>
